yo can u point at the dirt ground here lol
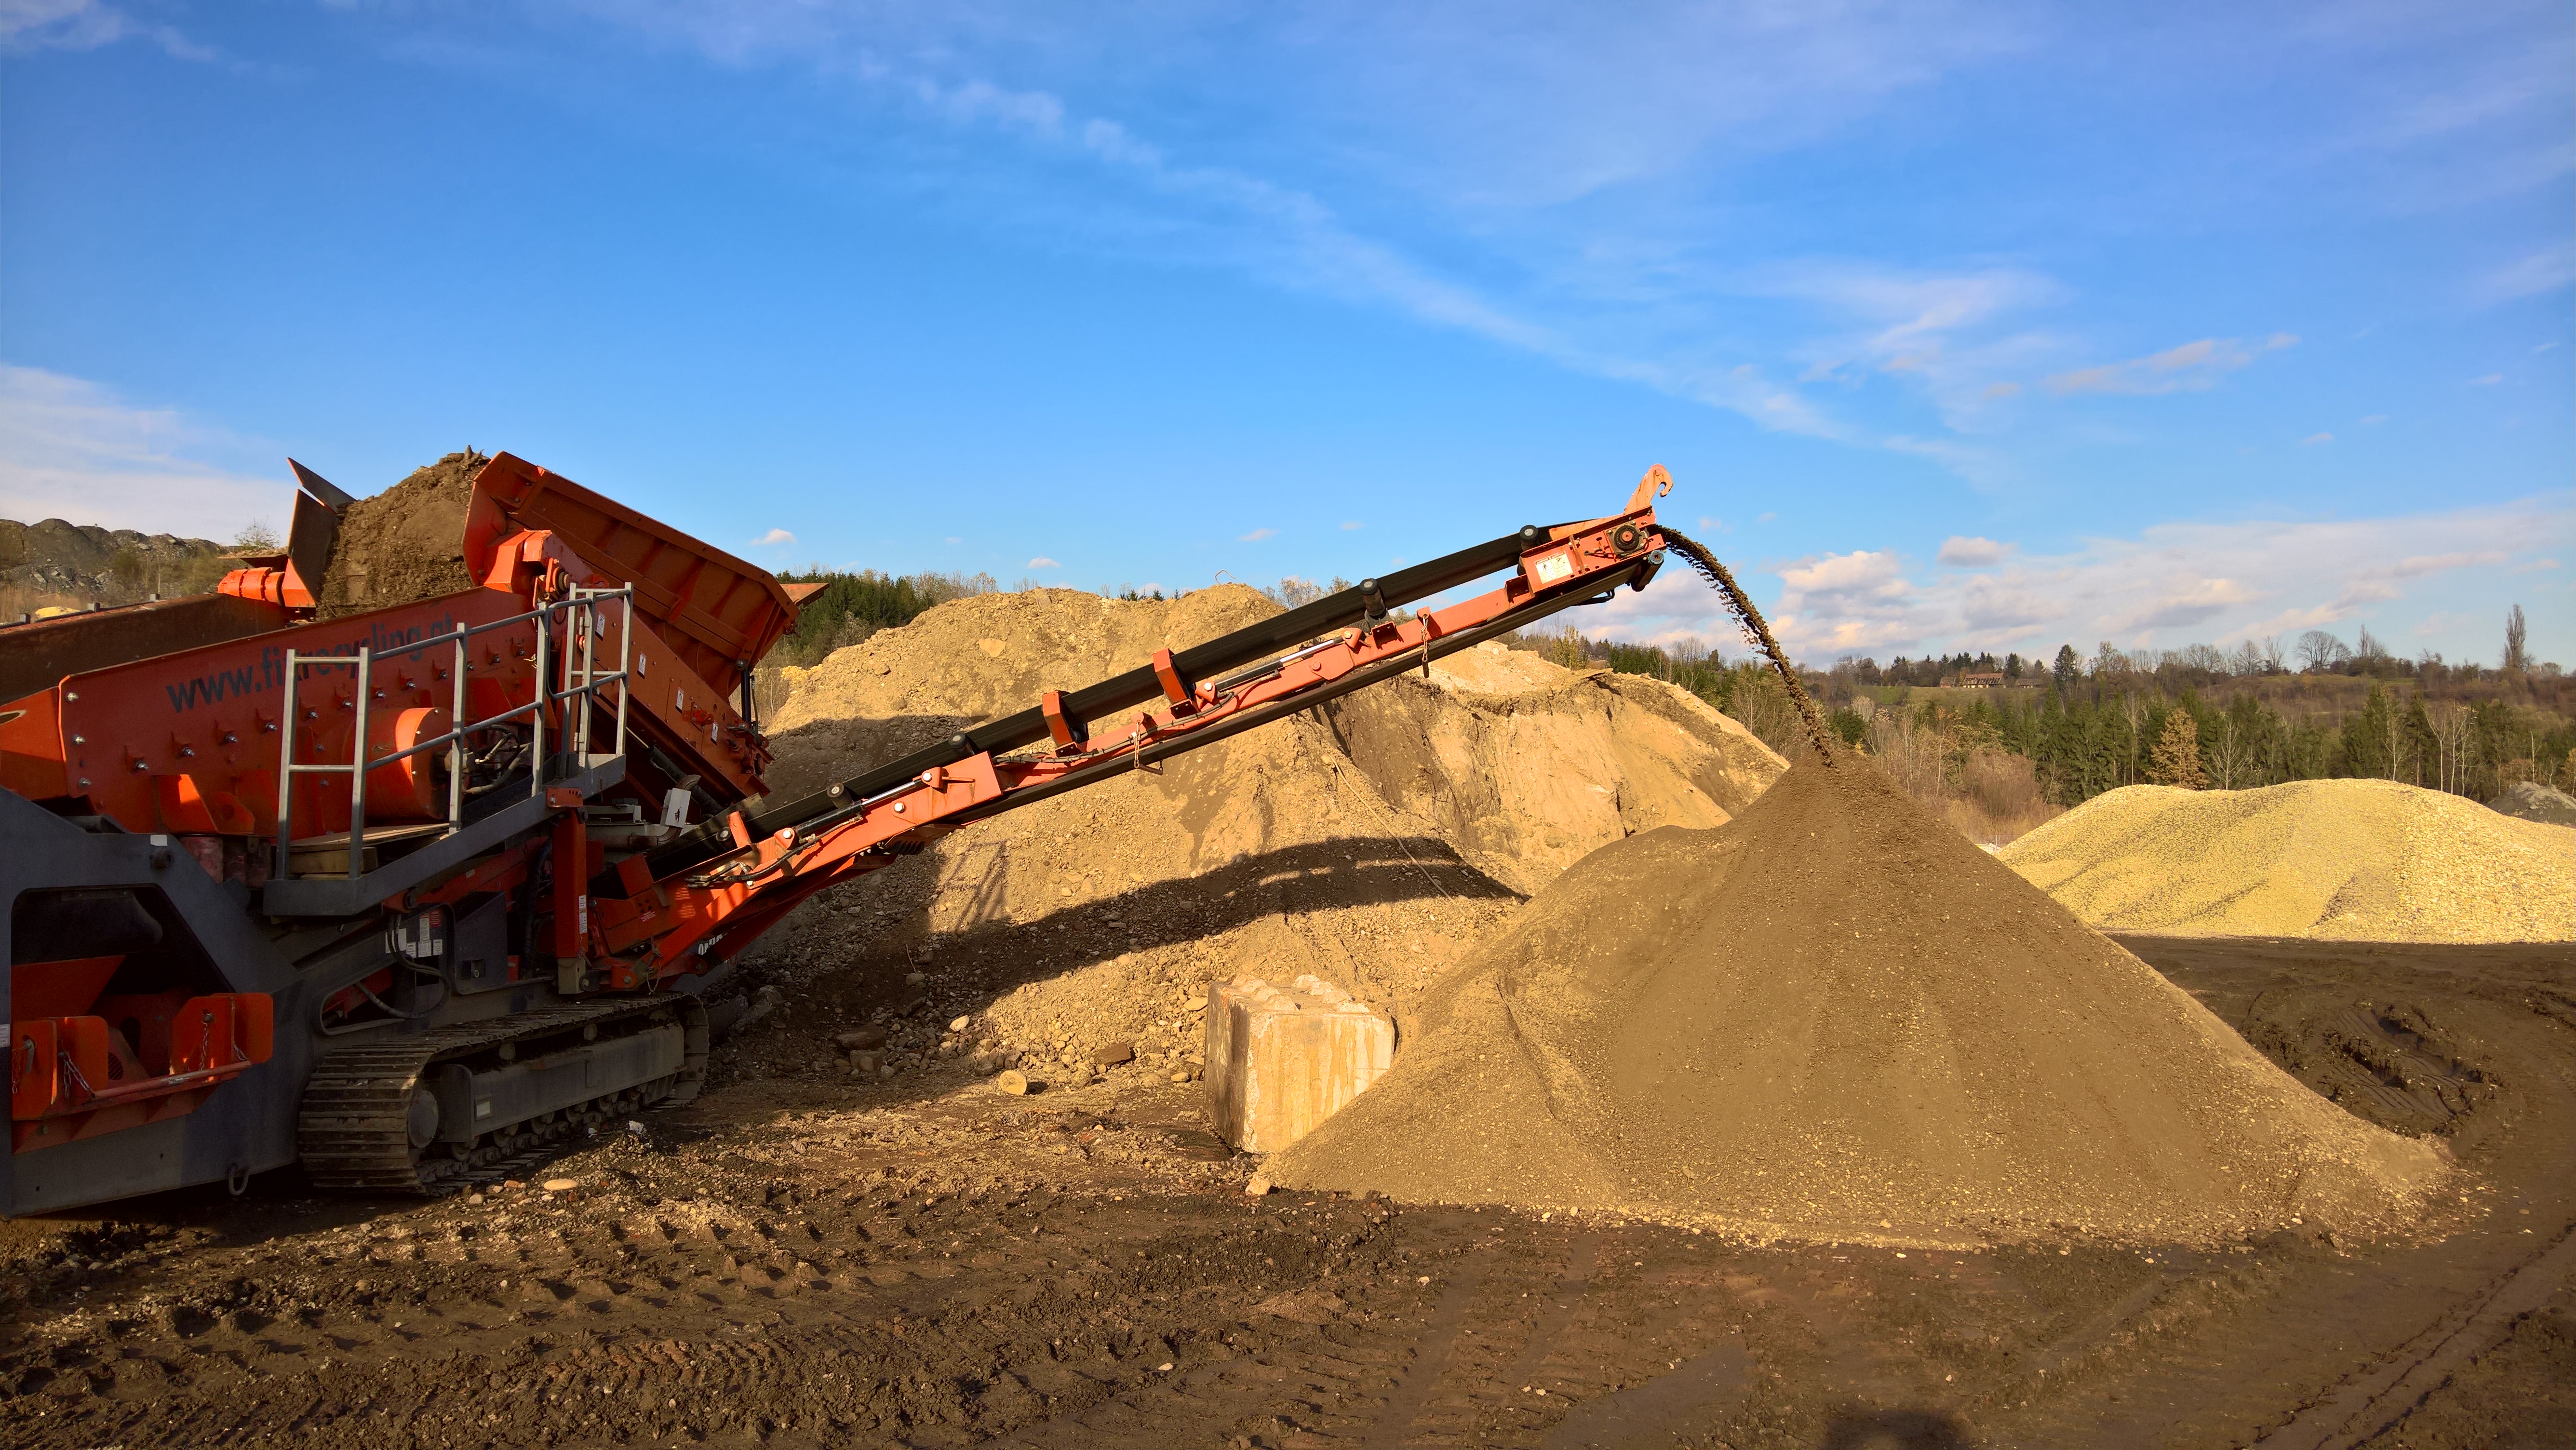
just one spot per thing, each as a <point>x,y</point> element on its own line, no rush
<point>799,1259</point>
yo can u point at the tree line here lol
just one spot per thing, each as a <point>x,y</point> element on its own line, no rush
<point>2262,713</point>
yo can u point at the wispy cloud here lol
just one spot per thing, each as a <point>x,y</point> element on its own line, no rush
<point>2534,274</point>
<point>1256,536</point>
<point>1043,562</point>
<point>1968,552</point>
<point>2188,368</point>
<point>30,25</point>
<point>1744,80</point>
<point>774,536</point>
<point>1953,335</point>
<point>74,450</point>
<point>2169,585</point>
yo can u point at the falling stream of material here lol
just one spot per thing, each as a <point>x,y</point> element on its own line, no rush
<point>1758,632</point>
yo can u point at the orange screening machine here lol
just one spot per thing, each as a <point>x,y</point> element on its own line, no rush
<point>410,896</point>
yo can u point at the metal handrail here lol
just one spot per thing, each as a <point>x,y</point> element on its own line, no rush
<point>580,610</point>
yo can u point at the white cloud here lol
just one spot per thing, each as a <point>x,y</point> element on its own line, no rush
<point>1838,602</point>
<point>1346,528</point>
<point>2169,585</point>
<point>1962,551</point>
<point>29,25</point>
<point>72,449</point>
<point>2189,368</point>
<point>774,536</point>
<point>1256,536</point>
<point>1160,200</point>
<point>1043,562</point>
<point>953,539</point>
<point>2533,275</point>
<point>2373,420</point>
<point>1935,331</point>
<point>2314,439</point>
<point>2184,598</point>
<point>1506,106</point>
<point>2415,566</point>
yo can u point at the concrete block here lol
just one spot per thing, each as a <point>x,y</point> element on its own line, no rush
<point>1281,1059</point>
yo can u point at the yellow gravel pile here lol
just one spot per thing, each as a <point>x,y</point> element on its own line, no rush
<point>2350,860</point>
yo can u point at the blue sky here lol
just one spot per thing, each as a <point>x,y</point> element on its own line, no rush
<point>1983,327</point>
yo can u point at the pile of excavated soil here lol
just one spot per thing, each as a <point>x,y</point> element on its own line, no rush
<point>404,544</point>
<point>2354,860</point>
<point>2529,800</point>
<point>971,659</point>
<point>1833,1017</point>
<point>1495,668</point>
<point>1095,917</point>
<point>1528,767</point>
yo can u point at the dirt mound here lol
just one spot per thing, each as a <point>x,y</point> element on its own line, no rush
<point>1834,1017</point>
<point>1094,917</point>
<point>403,544</point>
<point>78,564</point>
<point>972,659</point>
<point>1097,916</point>
<point>1371,846</point>
<point>1528,767</point>
<point>1494,668</point>
<point>2529,800</point>
<point>2354,860</point>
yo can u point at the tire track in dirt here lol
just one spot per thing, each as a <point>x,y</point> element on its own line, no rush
<point>2363,1407</point>
<point>947,1274</point>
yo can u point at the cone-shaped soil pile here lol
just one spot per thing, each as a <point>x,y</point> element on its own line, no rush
<point>1833,1016</point>
<point>1370,843</point>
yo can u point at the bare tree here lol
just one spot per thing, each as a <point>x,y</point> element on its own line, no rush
<point>2271,654</point>
<point>2135,711</point>
<point>2227,753</point>
<point>1762,705</point>
<point>256,537</point>
<point>2517,655</point>
<point>2453,739</point>
<point>2319,650</point>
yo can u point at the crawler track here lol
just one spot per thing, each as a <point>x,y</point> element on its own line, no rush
<point>354,1131</point>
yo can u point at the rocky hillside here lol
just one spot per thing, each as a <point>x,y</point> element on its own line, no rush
<point>59,564</point>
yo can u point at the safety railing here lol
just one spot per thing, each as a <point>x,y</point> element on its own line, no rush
<point>573,663</point>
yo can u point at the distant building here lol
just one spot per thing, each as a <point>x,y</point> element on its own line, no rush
<point>1982,680</point>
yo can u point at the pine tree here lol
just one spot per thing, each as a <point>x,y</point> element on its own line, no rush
<point>2176,757</point>
<point>2068,668</point>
